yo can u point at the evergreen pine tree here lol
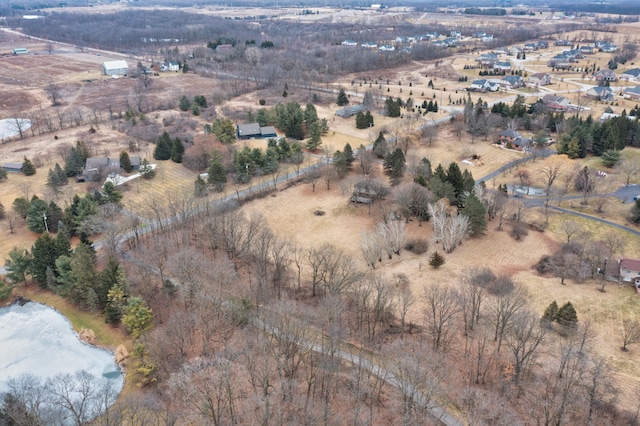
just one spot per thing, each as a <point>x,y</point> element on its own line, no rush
<point>380,147</point>
<point>3,174</point>
<point>348,153</point>
<point>361,121</point>
<point>54,216</point>
<point>342,98</point>
<point>567,315</point>
<point>550,313</point>
<point>185,103</point>
<point>369,118</point>
<point>27,167</point>
<point>43,256</point>
<point>163,147</point>
<point>315,139</point>
<point>146,171</point>
<point>37,215</point>
<point>217,172</point>
<point>200,187</point>
<point>177,150</point>
<point>476,212</point>
<point>436,260</point>
<point>125,162</point>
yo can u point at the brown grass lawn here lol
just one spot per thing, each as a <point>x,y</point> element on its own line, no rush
<point>343,224</point>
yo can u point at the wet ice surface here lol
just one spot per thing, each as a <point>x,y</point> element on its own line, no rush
<point>38,340</point>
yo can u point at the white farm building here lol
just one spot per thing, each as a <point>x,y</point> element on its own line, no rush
<point>115,68</point>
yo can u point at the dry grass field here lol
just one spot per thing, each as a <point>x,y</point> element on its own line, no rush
<point>290,212</point>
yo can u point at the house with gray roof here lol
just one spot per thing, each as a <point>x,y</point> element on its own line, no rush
<point>350,110</point>
<point>512,81</point>
<point>632,93</point>
<point>12,167</point>
<point>253,130</point>
<point>631,75</point>
<point>600,93</point>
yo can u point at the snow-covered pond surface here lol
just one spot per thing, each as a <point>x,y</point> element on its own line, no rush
<point>38,340</point>
<point>11,126</point>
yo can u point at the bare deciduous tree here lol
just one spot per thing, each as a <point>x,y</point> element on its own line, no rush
<point>440,310</point>
<point>54,93</point>
<point>630,333</point>
<point>523,339</point>
<point>504,308</point>
<point>629,167</point>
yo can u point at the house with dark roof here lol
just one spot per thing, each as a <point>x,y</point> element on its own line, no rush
<point>487,59</point>
<point>630,271</point>
<point>12,167</point>
<point>512,81</point>
<point>632,93</point>
<point>253,130</point>
<point>631,75</point>
<point>513,140</point>
<point>502,66</point>
<point>349,43</point>
<point>350,110</point>
<point>600,93</point>
<point>96,167</point>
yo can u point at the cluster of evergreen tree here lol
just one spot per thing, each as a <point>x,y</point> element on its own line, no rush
<point>392,108</point>
<point>254,162</point>
<point>394,165</point>
<point>343,160</point>
<point>75,161</point>
<point>364,120</point>
<point>167,149</point>
<point>57,178</point>
<point>566,315</point>
<point>198,102</point>
<point>518,109</point>
<point>591,137</point>
<point>343,99</point>
<point>224,129</point>
<point>431,106</point>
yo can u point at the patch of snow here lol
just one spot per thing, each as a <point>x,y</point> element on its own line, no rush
<point>8,126</point>
<point>38,340</point>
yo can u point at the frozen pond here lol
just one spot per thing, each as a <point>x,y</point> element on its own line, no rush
<point>37,340</point>
<point>10,127</point>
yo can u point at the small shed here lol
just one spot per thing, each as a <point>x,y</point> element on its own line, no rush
<point>115,68</point>
<point>12,167</point>
<point>20,51</point>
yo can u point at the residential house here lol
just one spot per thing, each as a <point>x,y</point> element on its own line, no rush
<point>484,85</point>
<point>479,34</point>
<point>556,103</point>
<point>349,43</point>
<point>487,59</point>
<point>600,93</point>
<point>515,51</point>
<point>501,51</point>
<point>253,130</point>
<point>513,140</point>
<point>170,66</point>
<point>609,48</point>
<point>631,75</point>
<point>20,51</point>
<point>487,38</point>
<point>450,42</point>
<point>386,48</point>
<point>402,40</point>
<point>562,42</point>
<point>605,75</point>
<point>369,45</point>
<point>508,136</point>
<point>12,167</point>
<point>512,81</point>
<point>502,66</point>
<point>96,167</point>
<point>539,79</point>
<point>530,47</point>
<point>632,93</point>
<point>630,271</point>
<point>587,50</point>
<point>350,111</point>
